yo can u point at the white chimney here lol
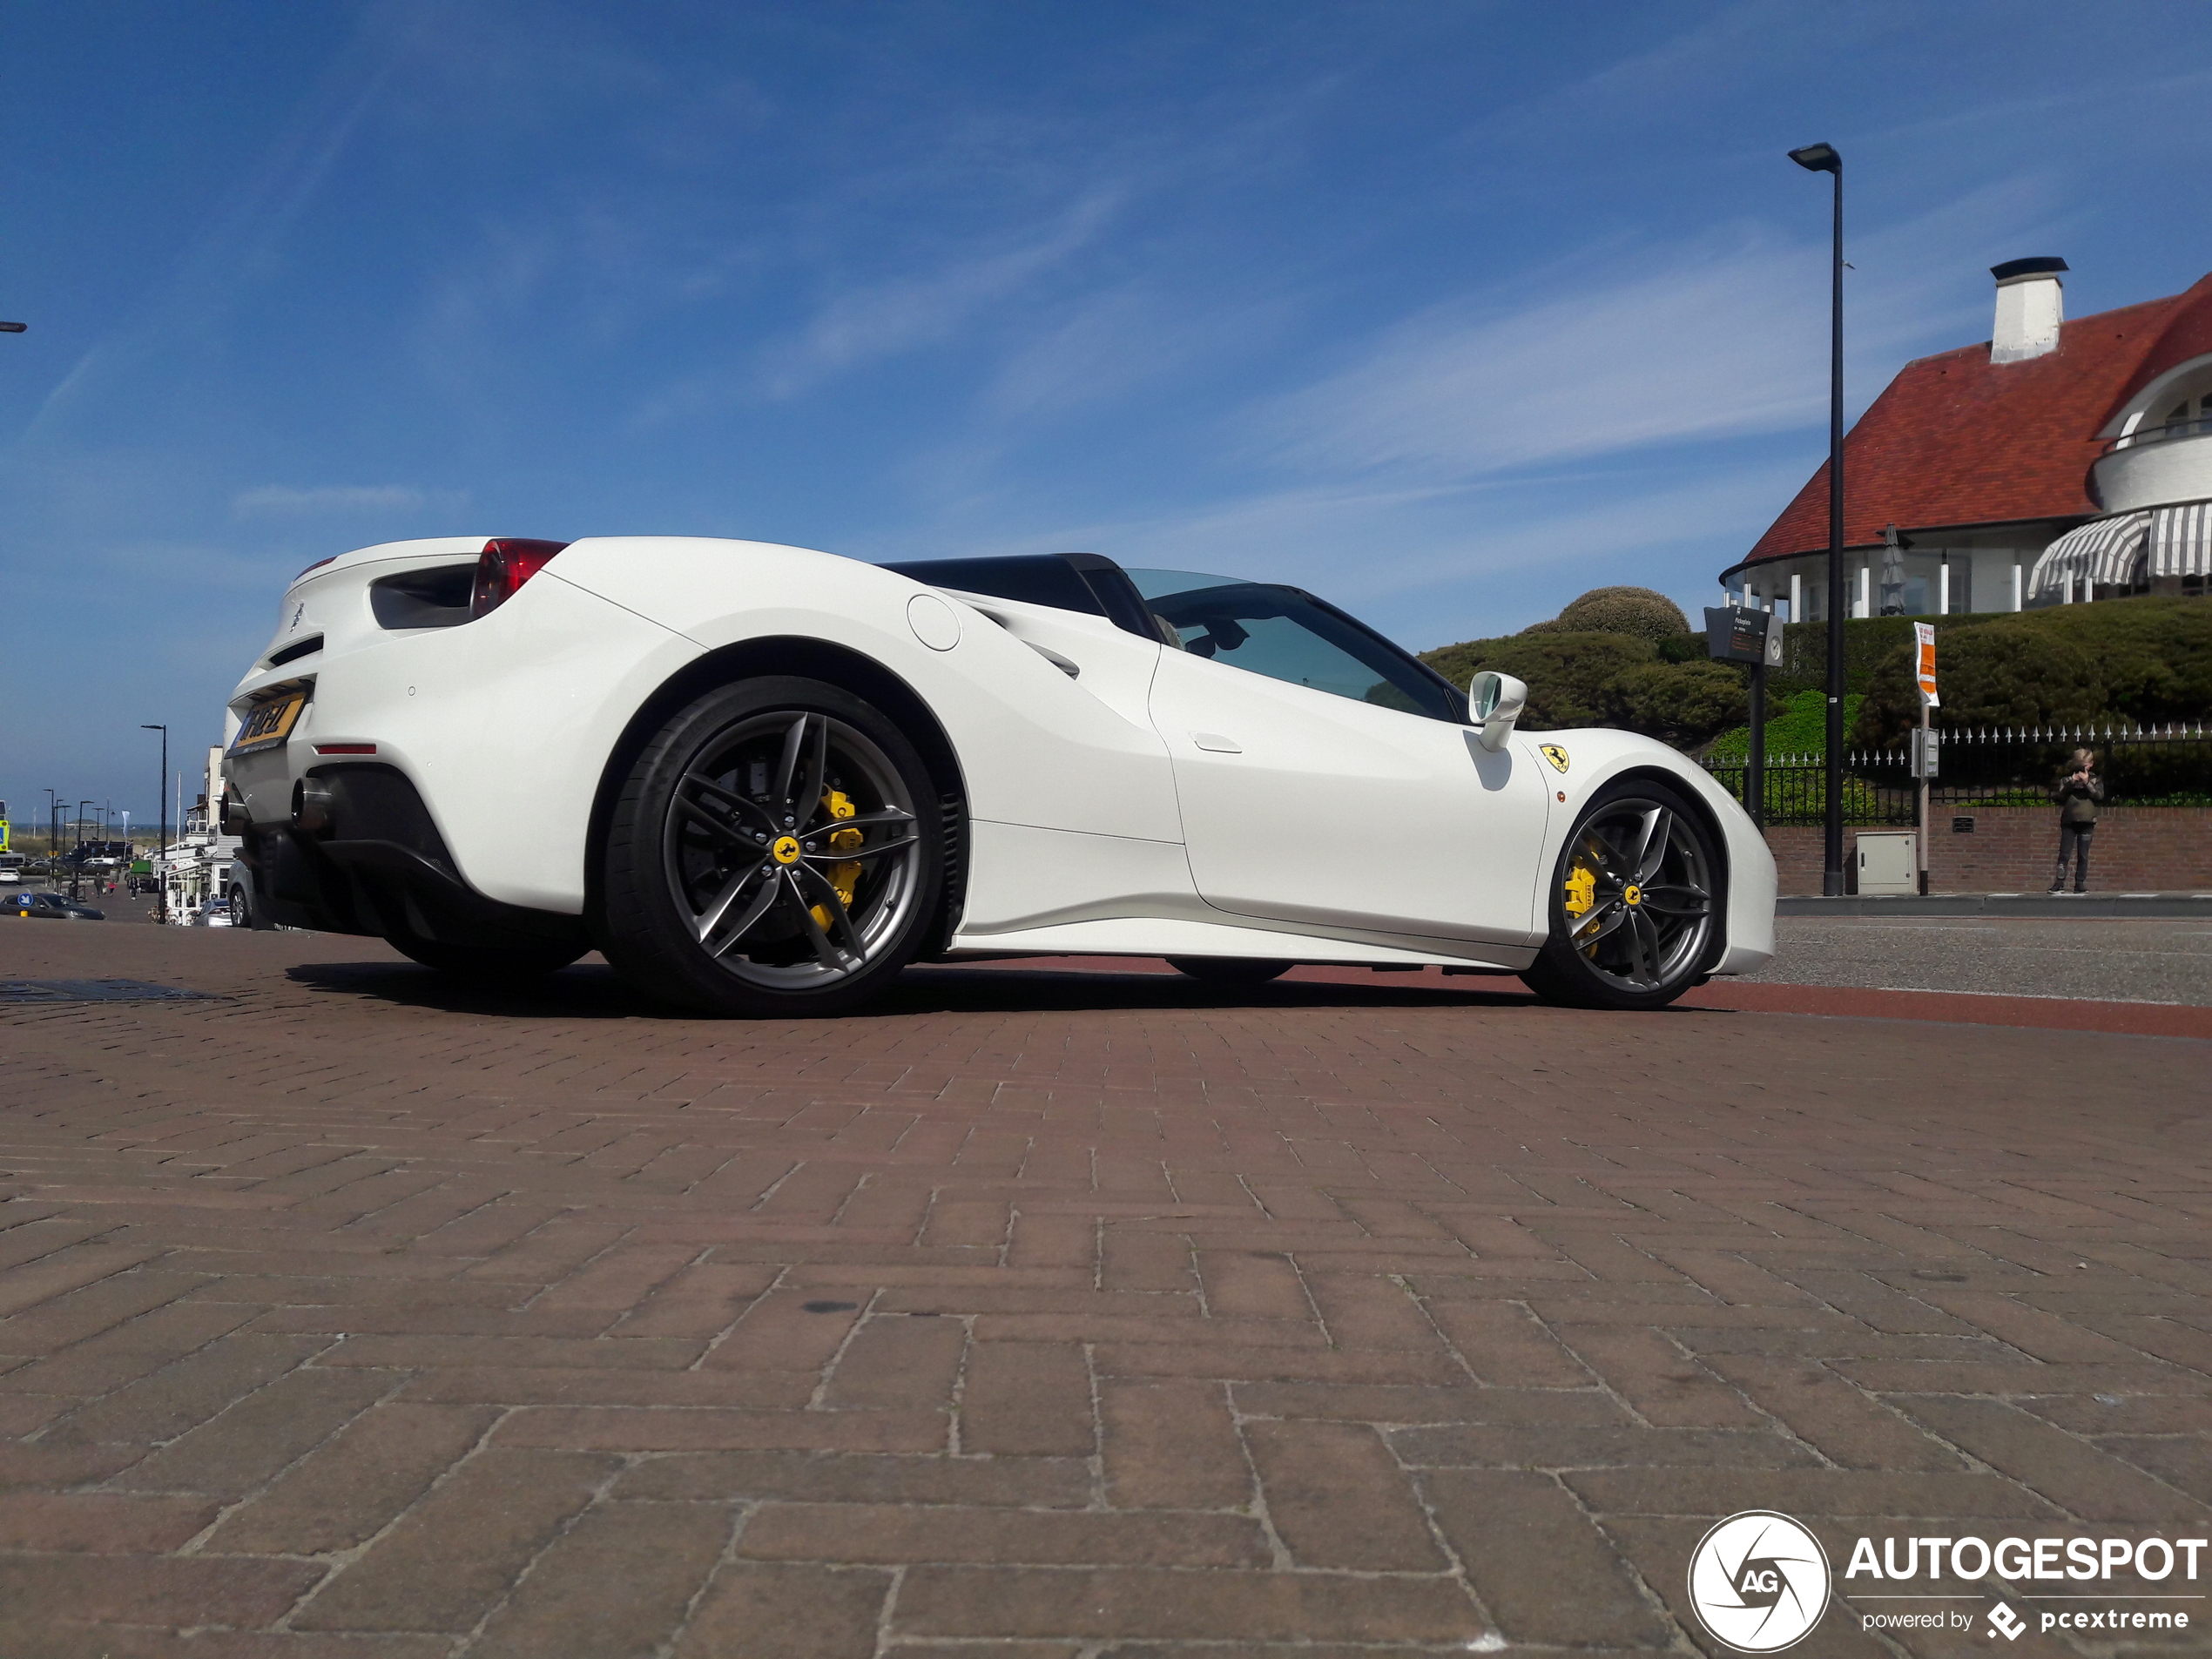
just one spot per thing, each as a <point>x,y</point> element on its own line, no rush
<point>2031,304</point>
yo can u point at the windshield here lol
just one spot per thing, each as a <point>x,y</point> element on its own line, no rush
<point>1289,636</point>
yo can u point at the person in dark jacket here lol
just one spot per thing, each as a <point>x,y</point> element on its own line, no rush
<point>2077,791</point>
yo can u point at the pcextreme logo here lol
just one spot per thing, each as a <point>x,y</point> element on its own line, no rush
<point>1759,1581</point>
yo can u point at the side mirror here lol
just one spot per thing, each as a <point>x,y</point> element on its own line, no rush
<point>1495,701</point>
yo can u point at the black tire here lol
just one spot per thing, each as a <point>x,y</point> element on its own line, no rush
<point>487,964</point>
<point>1615,948</point>
<point>776,850</point>
<point>241,909</point>
<point>1229,970</point>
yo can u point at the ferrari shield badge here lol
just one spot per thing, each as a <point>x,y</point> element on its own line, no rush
<point>1556,755</point>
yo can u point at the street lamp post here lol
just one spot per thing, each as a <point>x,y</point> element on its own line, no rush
<point>1821,158</point>
<point>77,869</point>
<point>53,830</point>
<point>161,789</point>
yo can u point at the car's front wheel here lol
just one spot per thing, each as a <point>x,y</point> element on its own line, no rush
<point>776,849</point>
<point>1634,903</point>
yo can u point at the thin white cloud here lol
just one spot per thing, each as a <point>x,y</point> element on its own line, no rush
<point>888,319</point>
<point>275,501</point>
<point>1698,344</point>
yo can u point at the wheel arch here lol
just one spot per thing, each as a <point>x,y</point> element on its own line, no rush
<point>812,658</point>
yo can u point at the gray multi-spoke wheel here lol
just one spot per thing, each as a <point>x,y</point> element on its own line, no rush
<point>1635,905</point>
<point>776,849</point>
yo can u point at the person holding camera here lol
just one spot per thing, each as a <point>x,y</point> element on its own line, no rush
<point>2077,791</point>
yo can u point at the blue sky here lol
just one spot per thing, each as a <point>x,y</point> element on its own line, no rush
<point>1446,310</point>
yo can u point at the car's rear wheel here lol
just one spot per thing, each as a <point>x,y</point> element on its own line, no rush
<point>241,908</point>
<point>486,964</point>
<point>1229,970</point>
<point>1635,904</point>
<point>776,849</point>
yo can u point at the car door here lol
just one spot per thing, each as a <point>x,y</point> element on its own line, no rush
<point>1315,788</point>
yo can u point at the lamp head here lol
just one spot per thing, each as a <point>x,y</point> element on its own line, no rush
<point>1819,157</point>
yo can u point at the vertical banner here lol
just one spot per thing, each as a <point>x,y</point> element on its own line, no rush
<point>1924,634</point>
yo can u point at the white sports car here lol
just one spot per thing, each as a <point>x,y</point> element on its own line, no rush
<point>763,780</point>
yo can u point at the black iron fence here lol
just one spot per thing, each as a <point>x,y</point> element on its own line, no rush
<point>1986,766</point>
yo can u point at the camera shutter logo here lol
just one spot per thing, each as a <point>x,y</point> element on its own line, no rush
<point>1759,1581</point>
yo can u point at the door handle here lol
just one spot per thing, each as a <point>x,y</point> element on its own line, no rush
<point>1217,743</point>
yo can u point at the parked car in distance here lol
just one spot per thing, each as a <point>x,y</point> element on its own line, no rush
<point>53,906</point>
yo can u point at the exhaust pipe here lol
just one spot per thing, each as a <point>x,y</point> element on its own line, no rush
<point>314,808</point>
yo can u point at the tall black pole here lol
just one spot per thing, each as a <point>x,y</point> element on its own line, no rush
<point>1823,158</point>
<point>161,881</point>
<point>1832,880</point>
<point>1754,762</point>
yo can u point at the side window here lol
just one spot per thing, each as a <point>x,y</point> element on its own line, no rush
<point>1281,633</point>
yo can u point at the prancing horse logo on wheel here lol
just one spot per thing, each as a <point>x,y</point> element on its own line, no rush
<point>786,849</point>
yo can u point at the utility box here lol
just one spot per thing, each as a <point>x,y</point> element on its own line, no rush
<point>1927,752</point>
<point>1888,862</point>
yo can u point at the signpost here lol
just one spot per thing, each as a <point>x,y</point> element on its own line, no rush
<point>1746,634</point>
<point>1926,746</point>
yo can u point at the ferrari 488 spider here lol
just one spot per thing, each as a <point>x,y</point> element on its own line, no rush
<point>763,780</point>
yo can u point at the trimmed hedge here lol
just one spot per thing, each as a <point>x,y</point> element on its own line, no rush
<point>2144,660</point>
<point>1640,613</point>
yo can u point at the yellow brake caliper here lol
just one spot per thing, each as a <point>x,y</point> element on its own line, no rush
<point>1580,890</point>
<point>843,877</point>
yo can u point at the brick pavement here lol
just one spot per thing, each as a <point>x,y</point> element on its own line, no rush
<point>1044,1317</point>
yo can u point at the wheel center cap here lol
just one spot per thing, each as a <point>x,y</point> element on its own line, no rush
<point>786,849</point>
<point>1633,895</point>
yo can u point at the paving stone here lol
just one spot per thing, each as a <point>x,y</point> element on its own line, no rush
<point>1019,1483</point>
<point>778,1611</point>
<point>615,1585</point>
<point>899,1534</point>
<point>345,1492</point>
<point>898,1362</point>
<point>1339,1499</point>
<point>445,1562</point>
<point>1171,1445</point>
<point>1523,1539</point>
<point>1142,1604</point>
<point>1027,1399</point>
<point>248,1442</point>
<point>1042,1317</point>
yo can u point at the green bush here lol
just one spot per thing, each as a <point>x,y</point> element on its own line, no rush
<point>2142,661</point>
<point>1567,674</point>
<point>1683,704</point>
<point>1795,724</point>
<point>1640,613</point>
<point>1604,679</point>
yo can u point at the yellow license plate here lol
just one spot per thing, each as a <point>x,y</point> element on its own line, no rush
<point>269,725</point>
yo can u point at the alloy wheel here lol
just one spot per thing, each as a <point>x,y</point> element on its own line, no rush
<point>791,850</point>
<point>1638,896</point>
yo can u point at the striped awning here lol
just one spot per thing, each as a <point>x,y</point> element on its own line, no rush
<point>2104,549</point>
<point>2181,540</point>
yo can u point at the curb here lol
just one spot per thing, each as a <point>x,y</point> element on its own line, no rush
<point>2103,906</point>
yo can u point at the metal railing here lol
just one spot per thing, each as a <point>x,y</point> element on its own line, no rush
<point>2195,427</point>
<point>1990,766</point>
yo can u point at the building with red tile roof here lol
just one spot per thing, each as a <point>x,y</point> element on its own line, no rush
<point>1972,464</point>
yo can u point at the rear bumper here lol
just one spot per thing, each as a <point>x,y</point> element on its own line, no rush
<point>379,866</point>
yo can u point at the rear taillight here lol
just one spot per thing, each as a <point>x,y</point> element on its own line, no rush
<point>506,563</point>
